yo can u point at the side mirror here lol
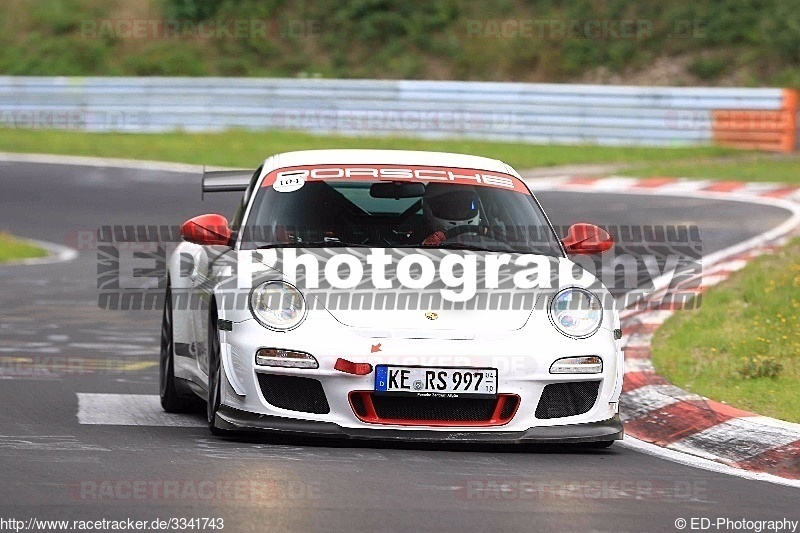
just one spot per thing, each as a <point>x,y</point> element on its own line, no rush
<point>207,230</point>
<point>585,238</point>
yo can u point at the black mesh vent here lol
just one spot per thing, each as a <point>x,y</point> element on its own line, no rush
<point>509,407</point>
<point>567,399</point>
<point>294,393</point>
<point>358,404</point>
<point>416,408</point>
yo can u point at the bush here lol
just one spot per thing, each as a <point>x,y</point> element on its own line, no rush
<point>759,39</point>
<point>708,68</point>
<point>191,9</point>
<point>760,366</point>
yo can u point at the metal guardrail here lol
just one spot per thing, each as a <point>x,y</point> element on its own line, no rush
<point>523,112</point>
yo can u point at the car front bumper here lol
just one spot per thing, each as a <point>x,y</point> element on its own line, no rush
<point>606,430</point>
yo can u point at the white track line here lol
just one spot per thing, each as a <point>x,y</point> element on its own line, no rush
<point>703,464</point>
<point>129,410</point>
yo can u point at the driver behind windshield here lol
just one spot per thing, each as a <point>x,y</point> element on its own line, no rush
<point>450,211</point>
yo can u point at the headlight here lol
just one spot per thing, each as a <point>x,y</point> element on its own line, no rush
<point>590,364</point>
<point>278,305</point>
<point>576,312</point>
<point>285,358</point>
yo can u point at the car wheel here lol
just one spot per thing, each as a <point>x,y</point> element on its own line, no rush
<point>214,374</point>
<point>172,401</point>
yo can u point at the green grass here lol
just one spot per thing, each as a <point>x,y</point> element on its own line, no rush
<point>247,148</point>
<point>12,249</point>
<point>761,167</point>
<point>742,346</point>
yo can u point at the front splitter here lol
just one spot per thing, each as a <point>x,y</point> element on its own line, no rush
<point>229,418</point>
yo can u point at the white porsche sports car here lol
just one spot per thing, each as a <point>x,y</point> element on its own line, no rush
<point>385,294</point>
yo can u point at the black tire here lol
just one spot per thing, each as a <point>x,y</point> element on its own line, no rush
<point>214,374</point>
<point>172,401</point>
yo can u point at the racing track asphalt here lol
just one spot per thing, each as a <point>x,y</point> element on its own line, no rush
<point>55,342</point>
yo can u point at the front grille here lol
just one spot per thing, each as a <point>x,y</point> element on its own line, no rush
<point>407,410</point>
<point>411,408</point>
<point>294,393</point>
<point>567,399</point>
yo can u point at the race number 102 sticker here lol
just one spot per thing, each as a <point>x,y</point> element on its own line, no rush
<point>289,181</point>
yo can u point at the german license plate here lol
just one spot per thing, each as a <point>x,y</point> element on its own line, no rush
<point>436,381</point>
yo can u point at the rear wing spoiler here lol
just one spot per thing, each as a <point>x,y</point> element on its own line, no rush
<point>226,180</point>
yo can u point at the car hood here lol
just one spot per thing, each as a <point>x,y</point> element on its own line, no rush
<point>441,324</point>
<point>407,312</point>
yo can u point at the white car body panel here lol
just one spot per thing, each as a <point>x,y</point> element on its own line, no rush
<point>520,344</point>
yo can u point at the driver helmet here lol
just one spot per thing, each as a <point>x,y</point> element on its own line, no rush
<point>446,206</point>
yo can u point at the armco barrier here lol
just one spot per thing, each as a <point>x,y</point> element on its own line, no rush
<point>759,129</point>
<point>537,113</point>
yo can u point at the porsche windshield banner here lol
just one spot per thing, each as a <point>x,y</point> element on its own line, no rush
<point>293,178</point>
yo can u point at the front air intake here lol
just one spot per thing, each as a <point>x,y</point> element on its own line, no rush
<point>294,393</point>
<point>567,399</point>
<point>377,408</point>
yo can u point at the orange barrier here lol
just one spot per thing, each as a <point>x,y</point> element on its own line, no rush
<point>758,129</point>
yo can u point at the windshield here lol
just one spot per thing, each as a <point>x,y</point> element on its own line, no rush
<point>297,208</point>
